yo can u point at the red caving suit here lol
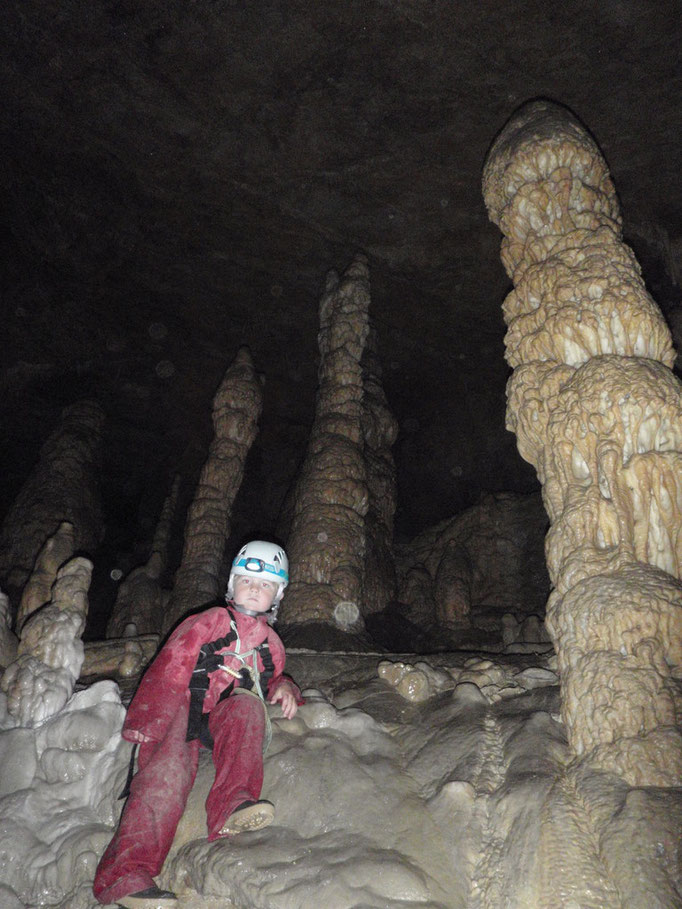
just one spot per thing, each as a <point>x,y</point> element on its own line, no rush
<point>167,764</point>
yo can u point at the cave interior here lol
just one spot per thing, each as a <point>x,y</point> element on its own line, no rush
<point>179,179</point>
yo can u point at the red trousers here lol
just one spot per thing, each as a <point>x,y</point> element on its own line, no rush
<point>159,791</point>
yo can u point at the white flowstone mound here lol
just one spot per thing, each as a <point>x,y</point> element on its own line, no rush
<point>58,799</point>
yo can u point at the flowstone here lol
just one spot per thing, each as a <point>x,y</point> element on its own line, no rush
<point>466,798</point>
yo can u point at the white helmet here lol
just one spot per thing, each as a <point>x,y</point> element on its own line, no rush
<point>265,560</point>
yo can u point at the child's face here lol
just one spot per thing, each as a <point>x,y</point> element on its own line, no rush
<point>254,593</point>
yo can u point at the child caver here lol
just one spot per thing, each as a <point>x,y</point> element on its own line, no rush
<point>207,684</point>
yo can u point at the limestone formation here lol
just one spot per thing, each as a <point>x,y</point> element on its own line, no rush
<point>50,655</point>
<point>598,412</point>
<point>236,410</point>
<point>475,567</point>
<point>327,545</point>
<point>8,640</point>
<point>61,487</point>
<point>57,549</point>
<point>140,599</point>
<point>121,658</point>
<point>380,430</point>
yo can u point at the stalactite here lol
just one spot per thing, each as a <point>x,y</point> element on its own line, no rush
<point>327,543</point>
<point>598,413</point>
<point>140,600</point>
<point>236,410</point>
<point>62,487</point>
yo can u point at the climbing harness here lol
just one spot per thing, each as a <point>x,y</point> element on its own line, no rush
<point>251,681</point>
<point>125,792</point>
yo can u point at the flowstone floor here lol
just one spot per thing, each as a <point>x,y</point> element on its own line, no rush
<point>462,798</point>
<point>437,782</point>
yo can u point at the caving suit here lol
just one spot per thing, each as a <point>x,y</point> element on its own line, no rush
<point>157,720</point>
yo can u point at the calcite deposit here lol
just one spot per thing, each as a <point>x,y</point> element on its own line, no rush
<point>327,544</point>
<point>471,570</point>
<point>8,640</point>
<point>140,600</point>
<point>444,783</point>
<point>63,486</point>
<point>379,431</point>
<point>50,654</point>
<point>598,412</point>
<point>236,410</point>
<point>57,549</point>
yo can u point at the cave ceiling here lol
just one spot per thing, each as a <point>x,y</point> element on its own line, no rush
<point>179,177</point>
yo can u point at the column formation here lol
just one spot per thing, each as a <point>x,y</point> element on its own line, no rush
<point>236,410</point>
<point>327,543</point>
<point>598,412</point>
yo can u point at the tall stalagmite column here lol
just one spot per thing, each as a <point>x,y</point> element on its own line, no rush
<point>598,412</point>
<point>139,603</point>
<point>236,409</point>
<point>327,544</point>
<point>63,486</point>
<point>380,430</point>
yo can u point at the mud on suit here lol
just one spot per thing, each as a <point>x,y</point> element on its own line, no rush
<point>157,719</point>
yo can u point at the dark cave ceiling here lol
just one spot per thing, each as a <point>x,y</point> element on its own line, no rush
<point>179,176</point>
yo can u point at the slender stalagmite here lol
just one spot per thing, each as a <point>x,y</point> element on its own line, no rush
<point>598,412</point>
<point>327,542</point>
<point>380,429</point>
<point>139,603</point>
<point>63,486</point>
<point>236,409</point>
<point>57,550</point>
<point>50,655</point>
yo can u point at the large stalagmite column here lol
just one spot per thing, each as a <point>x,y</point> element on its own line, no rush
<point>63,486</point>
<point>598,412</point>
<point>327,543</point>
<point>236,409</point>
<point>139,603</point>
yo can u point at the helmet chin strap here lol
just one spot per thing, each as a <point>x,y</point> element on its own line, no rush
<point>251,612</point>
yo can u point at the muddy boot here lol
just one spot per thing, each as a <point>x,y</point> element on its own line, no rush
<point>249,816</point>
<point>151,898</point>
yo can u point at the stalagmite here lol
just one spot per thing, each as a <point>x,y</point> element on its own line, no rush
<point>8,641</point>
<point>598,412</point>
<point>61,487</point>
<point>236,409</point>
<point>50,655</point>
<point>380,430</point>
<point>467,571</point>
<point>140,600</point>
<point>57,549</point>
<point>327,543</point>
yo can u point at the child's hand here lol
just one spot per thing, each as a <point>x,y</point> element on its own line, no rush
<point>285,696</point>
